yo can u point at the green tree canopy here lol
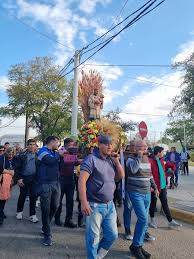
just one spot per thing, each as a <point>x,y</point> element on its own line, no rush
<point>184,103</point>
<point>36,90</point>
<point>175,131</point>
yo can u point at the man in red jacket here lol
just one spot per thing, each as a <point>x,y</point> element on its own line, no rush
<point>159,175</point>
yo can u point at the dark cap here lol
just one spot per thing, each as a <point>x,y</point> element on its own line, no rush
<point>158,149</point>
<point>104,139</point>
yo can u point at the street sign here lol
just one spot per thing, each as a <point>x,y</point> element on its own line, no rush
<point>143,129</point>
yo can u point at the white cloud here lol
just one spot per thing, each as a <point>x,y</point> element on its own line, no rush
<point>62,19</point>
<point>157,101</point>
<point>88,6</point>
<point>186,50</point>
<point>4,82</point>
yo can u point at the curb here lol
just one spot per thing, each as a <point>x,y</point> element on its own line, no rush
<point>182,215</point>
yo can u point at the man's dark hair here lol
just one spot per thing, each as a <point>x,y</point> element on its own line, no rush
<point>1,146</point>
<point>50,138</point>
<point>67,141</point>
<point>158,149</point>
<point>7,143</point>
<point>31,140</point>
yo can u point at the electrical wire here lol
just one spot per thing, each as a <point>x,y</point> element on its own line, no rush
<point>102,36</point>
<point>138,17</point>
<point>142,114</point>
<point>39,32</point>
<point>8,124</point>
<point>128,65</point>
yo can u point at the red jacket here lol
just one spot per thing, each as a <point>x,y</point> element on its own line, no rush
<point>155,171</point>
<point>170,165</point>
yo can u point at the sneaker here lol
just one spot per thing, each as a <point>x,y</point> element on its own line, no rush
<point>149,237</point>
<point>137,252</point>
<point>174,224</point>
<point>33,219</point>
<point>145,253</point>
<point>37,203</point>
<point>128,237</point>
<point>153,223</point>
<point>19,215</point>
<point>102,253</point>
<point>70,224</point>
<point>47,241</point>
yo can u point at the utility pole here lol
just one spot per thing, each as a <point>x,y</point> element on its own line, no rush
<point>26,130</point>
<point>75,95</point>
<point>184,134</point>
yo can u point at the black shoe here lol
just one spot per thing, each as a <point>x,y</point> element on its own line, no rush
<point>137,252</point>
<point>1,221</point>
<point>81,221</point>
<point>58,222</point>
<point>145,253</point>
<point>118,222</point>
<point>70,224</point>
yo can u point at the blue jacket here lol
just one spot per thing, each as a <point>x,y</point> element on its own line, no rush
<point>47,166</point>
<point>177,157</point>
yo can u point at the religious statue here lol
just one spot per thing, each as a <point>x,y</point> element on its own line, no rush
<point>90,95</point>
<point>95,103</point>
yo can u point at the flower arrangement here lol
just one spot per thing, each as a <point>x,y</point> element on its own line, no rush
<point>89,132</point>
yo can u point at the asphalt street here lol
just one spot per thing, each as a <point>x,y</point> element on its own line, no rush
<point>22,239</point>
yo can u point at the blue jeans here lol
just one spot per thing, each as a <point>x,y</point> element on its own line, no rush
<point>176,173</point>
<point>141,204</point>
<point>103,216</point>
<point>127,213</point>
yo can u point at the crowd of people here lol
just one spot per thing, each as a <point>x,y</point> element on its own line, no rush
<point>52,172</point>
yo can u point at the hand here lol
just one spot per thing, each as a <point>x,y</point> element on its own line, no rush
<point>157,193</point>
<point>115,157</point>
<point>21,183</point>
<point>85,208</point>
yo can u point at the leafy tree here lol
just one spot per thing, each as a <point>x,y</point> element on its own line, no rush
<point>114,117</point>
<point>37,91</point>
<point>175,131</point>
<point>184,103</point>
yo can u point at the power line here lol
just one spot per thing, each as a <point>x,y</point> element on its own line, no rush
<point>39,32</point>
<point>144,114</point>
<point>102,36</point>
<point>138,17</point>
<point>128,65</point>
<point>8,124</point>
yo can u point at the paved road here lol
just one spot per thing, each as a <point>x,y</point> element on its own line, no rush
<point>183,197</point>
<point>22,240</point>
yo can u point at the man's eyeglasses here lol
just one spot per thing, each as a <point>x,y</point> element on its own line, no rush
<point>2,150</point>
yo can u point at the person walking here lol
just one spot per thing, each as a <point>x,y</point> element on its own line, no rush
<point>25,167</point>
<point>67,182</point>
<point>159,175</point>
<point>96,189</point>
<point>174,156</point>
<point>6,175</point>
<point>184,161</point>
<point>138,189</point>
<point>49,185</point>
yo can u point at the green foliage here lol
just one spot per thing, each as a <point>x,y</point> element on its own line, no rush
<point>37,91</point>
<point>192,156</point>
<point>175,131</point>
<point>184,103</point>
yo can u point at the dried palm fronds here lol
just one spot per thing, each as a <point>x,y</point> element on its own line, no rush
<point>90,81</point>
